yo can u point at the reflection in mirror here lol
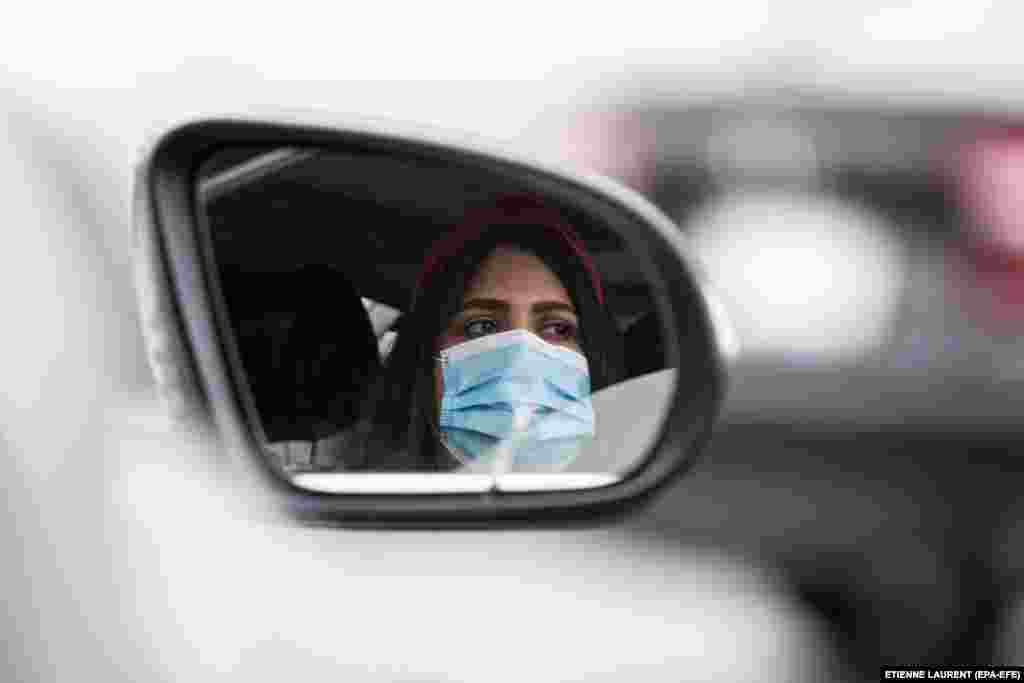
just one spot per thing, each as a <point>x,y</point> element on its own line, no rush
<point>402,324</point>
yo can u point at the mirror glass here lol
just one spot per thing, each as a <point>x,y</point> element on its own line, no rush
<point>419,325</point>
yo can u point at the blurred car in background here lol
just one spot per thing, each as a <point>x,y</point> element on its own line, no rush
<point>869,254</point>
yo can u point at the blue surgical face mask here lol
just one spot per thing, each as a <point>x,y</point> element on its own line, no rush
<point>515,396</point>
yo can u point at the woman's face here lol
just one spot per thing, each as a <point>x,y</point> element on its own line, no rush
<point>513,290</point>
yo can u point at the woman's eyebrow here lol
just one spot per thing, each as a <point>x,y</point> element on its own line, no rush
<point>487,304</point>
<point>501,305</point>
<point>546,306</point>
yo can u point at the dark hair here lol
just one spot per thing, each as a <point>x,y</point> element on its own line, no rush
<point>398,432</point>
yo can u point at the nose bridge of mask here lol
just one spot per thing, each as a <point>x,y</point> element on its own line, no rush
<point>516,368</point>
<point>512,338</point>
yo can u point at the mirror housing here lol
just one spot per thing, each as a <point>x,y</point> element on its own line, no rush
<point>185,327</point>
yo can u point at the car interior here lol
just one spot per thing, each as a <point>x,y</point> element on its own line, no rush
<point>316,264</point>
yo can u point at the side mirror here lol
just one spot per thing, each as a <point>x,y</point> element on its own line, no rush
<point>389,328</point>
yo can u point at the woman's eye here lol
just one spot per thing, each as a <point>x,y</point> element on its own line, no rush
<point>479,327</point>
<point>560,330</point>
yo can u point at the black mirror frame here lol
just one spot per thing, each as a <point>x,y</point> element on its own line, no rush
<point>197,381</point>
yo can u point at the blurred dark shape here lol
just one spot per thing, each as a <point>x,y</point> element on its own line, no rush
<point>308,371</point>
<point>644,346</point>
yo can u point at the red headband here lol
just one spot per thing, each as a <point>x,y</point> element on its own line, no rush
<point>508,210</point>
